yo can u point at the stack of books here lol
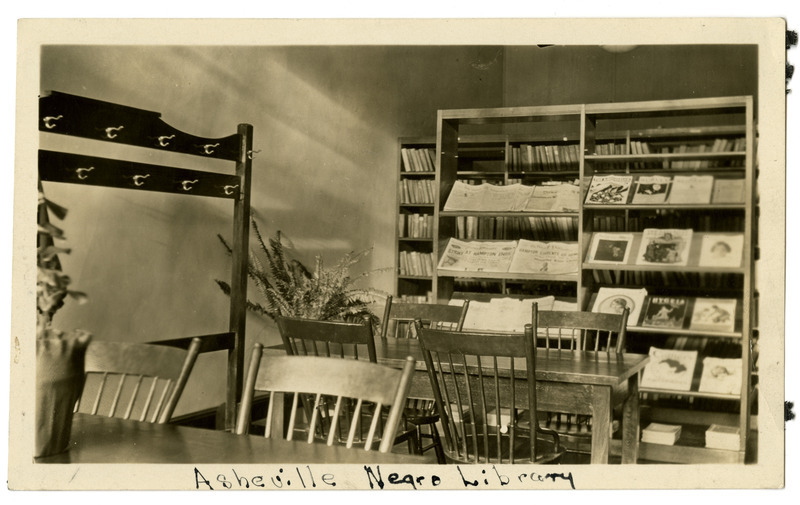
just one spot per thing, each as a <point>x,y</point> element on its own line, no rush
<point>664,434</point>
<point>722,437</point>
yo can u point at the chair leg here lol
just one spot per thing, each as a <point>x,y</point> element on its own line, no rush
<point>437,445</point>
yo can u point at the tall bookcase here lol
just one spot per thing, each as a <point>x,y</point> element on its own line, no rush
<point>638,139</point>
<point>415,227</point>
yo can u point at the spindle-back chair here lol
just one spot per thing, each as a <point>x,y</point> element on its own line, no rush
<point>398,322</point>
<point>347,381</point>
<point>135,380</point>
<point>579,331</point>
<point>478,403</point>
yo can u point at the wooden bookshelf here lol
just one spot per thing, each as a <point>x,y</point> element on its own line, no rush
<point>717,140</point>
<point>723,149</point>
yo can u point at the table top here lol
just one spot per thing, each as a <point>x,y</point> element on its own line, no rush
<point>584,367</point>
<point>99,439</point>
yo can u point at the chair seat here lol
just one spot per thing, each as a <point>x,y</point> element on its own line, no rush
<point>564,424</point>
<point>415,416</point>
<point>547,451</point>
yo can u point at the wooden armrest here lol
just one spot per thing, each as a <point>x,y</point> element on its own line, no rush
<point>208,343</point>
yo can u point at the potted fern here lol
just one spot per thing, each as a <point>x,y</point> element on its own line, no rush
<point>290,289</point>
<point>59,354</point>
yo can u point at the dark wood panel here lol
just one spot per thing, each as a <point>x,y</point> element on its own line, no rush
<point>96,171</point>
<point>208,343</point>
<point>95,119</point>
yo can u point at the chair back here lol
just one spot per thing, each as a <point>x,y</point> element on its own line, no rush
<point>480,382</point>
<point>373,388</point>
<point>135,380</point>
<point>307,337</point>
<point>398,317</point>
<point>581,331</point>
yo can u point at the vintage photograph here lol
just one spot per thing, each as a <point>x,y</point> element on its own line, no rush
<point>232,292</point>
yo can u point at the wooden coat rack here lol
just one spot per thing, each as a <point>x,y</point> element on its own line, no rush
<point>67,114</point>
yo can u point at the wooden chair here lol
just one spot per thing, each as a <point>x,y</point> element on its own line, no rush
<point>398,322</point>
<point>398,318</point>
<point>135,380</point>
<point>345,380</point>
<point>478,406</point>
<point>331,339</point>
<point>327,338</point>
<point>581,331</point>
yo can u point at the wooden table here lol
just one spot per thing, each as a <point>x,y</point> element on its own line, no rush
<point>99,439</point>
<point>581,382</point>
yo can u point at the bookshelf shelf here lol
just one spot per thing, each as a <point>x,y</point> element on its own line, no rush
<point>687,206</point>
<point>458,213</point>
<point>690,393</point>
<point>509,276</point>
<point>416,205</point>
<point>668,157</point>
<point>644,268</point>
<point>415,239</point>
<point>685,332</point>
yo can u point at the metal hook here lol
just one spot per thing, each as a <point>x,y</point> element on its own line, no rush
<point>209,148</point>
<point>163,140</point>
<point>229,189</point>
<point>187,185</point>
<point>111,131</point>
<point>47,121</point>
<point>82,172</point>
<point>250,153</point>
<point>137,179</point>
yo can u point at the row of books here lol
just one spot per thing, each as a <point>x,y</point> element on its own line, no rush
<point>675,370</point>
<point>547,197</point>
<point>511,228</point>
<point>420,191</point>
<point>668,312</point>
<point>668,247</point>
<point>415,225</point>
<point>669,218</point>
<point>562,157</point>
<point>664,189</point>
<point>640,147</point>
<point>664,434</point>
<point>510,256</point>
<point>426,298</point>
<point>554,157</point>
<point>416,263</point>
<point>418,160</point>
<point>520,287</point>
<point>669,279</point>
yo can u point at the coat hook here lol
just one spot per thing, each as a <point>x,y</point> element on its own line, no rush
<point>137,179</point>
<point>187,185</point>
<point>82,172</point>
<point>111,131</point>
<point>229,189</point>
<point>48,121</point>
<point>209,148</point>
<point>250,153</point>
<point>163,140</point>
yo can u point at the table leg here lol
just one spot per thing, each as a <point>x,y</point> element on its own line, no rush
<point>630,422</point>
<point>601,424</point>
